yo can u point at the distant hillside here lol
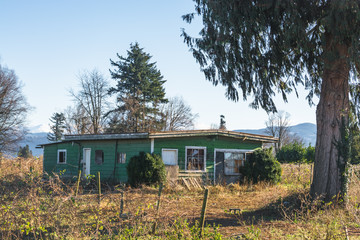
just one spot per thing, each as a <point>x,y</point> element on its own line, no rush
<point>307,131</point>
<point>34,139</point>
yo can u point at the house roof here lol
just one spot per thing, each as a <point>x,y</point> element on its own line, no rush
<point>109,136</point>
<point>213,132</point>
<point>168,134</point>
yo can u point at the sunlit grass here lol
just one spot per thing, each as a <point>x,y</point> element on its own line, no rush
<point>36,207</point>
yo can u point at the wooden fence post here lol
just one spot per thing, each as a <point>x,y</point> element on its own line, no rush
<point>203,211</point>
<point>99,186</point>
<point>157,207</point>
<point>78,183</point>
<point>122,203</point>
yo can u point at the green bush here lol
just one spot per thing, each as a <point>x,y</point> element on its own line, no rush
<point>291,153</point>
<point>262,166</point>
<point>310,154</point>
<point>146,169</point>
<point>355,149</point>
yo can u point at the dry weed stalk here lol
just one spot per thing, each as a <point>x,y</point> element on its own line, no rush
<point>37,206</point>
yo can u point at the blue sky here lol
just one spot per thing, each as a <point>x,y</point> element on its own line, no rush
<point>48,43</point>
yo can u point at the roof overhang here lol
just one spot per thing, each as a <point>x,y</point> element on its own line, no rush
<point>106,136</point>
<point>166,134</point>
<point>215,132</point>
<point>94,137</point>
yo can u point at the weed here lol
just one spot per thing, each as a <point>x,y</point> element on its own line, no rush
<point>34,205</point>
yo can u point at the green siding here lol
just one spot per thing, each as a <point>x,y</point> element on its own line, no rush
<point>210,142</point>
<point>131,148</point>
<point>72,159</point>
<point>110,169</point>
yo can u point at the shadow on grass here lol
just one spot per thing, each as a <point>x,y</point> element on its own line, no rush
<point>14,183</point>
<point>281,209</point>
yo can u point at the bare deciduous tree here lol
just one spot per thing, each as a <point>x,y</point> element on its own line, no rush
<point>91,102</point>
<point>76,120</point>
<point>278,126</point>
<point>178,115</point>
<point>13,110</point>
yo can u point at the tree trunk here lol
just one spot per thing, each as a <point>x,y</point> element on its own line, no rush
<point>332,108</point>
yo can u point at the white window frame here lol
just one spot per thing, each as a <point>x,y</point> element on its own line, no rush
<point>195,147</point>
<point>172,149</point>
<point>58,155</point>
<point>245,151</point>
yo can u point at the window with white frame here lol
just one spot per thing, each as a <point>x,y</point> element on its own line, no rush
<point>195,158</point>
<point>61,156</point>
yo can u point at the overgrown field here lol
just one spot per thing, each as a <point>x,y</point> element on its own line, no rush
<point>34,208</point>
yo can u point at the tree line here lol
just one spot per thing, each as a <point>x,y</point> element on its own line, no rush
<point>140,101</point>
<point>290,148</point>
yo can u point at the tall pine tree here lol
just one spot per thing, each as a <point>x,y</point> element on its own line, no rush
<point>264,47</point>
<point>139,92</point>
<point>57,127</point>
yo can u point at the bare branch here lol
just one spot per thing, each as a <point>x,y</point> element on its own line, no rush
<point>13,110</point>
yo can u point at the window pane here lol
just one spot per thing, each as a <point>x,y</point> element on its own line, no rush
<point>62,156</point>
<point>195,159</point>
<point>99,157</point>
<point>232,162</point>
<point>121,157</point>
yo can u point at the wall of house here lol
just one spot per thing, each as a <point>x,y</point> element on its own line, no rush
<point>210,142</point>
<point>110,169</point>
<point>70,168</point>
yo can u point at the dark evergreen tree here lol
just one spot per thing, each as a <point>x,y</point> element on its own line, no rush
<point>57,127</point>
<point>139,91</point>
<point>266,47</point>
<point>25,152</point>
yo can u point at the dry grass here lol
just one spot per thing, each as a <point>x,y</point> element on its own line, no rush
<point>34,208</point>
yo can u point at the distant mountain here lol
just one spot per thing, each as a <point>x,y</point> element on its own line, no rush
<point>34,139</point>
<point>307,131</point>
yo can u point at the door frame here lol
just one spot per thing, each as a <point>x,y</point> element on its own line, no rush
<point>85,162</point>
<point>228,150</point>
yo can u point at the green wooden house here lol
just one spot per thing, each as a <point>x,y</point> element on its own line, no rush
<point>214,154</point>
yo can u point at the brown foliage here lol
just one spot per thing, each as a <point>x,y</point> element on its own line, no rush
<point>37,206</point>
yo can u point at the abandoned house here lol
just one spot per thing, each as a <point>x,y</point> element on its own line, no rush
<point>214,154</point>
